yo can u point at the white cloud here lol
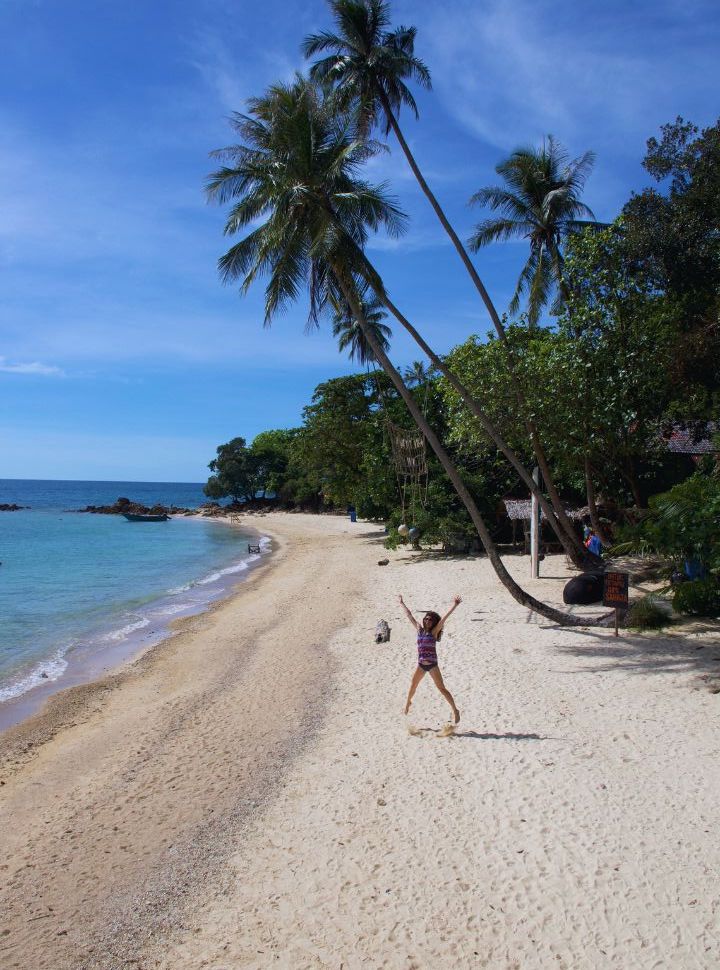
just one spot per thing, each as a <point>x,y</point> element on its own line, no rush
<point>413,241</point>
<point>512,70</point>
<point>35,368</point>
<point>215,57</point>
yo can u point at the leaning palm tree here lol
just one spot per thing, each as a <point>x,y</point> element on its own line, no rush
<point>553,510</point>
<point>295,178</point>
<point>350,335</point>
<point>368,64</point>
<point>540,202</point>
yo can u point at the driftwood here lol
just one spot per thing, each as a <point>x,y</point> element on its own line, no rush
<point>382,632</point>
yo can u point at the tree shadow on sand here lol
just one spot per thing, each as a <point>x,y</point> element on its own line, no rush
<point>449,732</point>
<point>694,647</point>
<point>375,538</point>
<point>435,555</point>
<point>508,736</point>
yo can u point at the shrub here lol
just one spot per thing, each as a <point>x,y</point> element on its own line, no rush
<point>392,539</point>
<point>699,596</point>
<point>647,614</point>
<point>682,524</point>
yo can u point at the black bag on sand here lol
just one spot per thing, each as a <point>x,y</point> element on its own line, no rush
<point>584,589</point>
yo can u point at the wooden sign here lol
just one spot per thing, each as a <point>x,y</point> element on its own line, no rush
<point>615,589</point>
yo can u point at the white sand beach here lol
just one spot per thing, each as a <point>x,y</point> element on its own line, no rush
<point>250,795</point>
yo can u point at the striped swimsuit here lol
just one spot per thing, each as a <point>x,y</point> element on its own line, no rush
<point>427,654</point>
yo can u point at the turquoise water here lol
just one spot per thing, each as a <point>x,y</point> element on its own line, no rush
<point>73,584</point>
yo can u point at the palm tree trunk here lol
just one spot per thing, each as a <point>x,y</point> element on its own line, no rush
<point>537,447</point>
<point>568,544</point>
<point>518,594</point>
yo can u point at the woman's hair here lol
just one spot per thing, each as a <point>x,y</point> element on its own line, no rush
<point>435,617</point>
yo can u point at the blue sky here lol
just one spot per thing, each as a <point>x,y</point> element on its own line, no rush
<point>121,355</point>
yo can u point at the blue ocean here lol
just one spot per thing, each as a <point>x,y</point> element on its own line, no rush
<point>77,586</point>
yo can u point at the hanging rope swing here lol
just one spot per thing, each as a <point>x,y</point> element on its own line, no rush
<point>410,463</point>
<point>409,459</point>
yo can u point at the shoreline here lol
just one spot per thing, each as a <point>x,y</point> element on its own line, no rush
<point>143,770</point>
<point>249,794</point>
<point>89,662</point>
<point>41,712</point>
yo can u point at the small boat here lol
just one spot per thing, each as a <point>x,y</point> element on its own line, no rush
<point>139,517</point>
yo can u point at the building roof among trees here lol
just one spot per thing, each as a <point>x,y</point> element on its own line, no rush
<point>519,508</point>
<point>692,438</point>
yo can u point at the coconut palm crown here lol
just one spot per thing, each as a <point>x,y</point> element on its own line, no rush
<point>351,336</point>
<point>368,63</point>
<point>296,192</point>
<point>540,201</point>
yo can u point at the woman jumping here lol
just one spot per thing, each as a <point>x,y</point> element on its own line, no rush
<point>428,634</point>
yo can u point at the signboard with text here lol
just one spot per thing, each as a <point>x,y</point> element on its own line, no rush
<point>615,589</point>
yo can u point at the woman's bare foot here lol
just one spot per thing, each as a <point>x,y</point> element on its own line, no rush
<point>407,707</point>
<point>456,714</point>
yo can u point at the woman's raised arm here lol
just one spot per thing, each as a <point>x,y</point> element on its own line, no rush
<point>456,602</point>
<point>408,613</point>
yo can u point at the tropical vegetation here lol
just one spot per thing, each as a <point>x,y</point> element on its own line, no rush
<point>590,395</point>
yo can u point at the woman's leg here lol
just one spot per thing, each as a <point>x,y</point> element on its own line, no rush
<point>438,681</point>
<point>416,678</point>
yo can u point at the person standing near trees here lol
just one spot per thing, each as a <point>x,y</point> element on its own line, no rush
<point>593,543</point>
<point>428,634</point>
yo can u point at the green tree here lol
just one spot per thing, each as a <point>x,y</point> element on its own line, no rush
<point>673,238</point>
<point>340,455</point>
<point>540,201</point>
<point>613,360</point>
<point>683,523</point>
<point>235,473</point>
<point>297,171</point>
<point>369,65</point>
<point>338,433</point>
<point>271,451</point>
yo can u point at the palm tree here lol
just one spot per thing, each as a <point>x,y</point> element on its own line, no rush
<point>368,66</point>
<point>417,374</point>
<point>540,201</point>
<point>296,170</point>
<point>350,335</point>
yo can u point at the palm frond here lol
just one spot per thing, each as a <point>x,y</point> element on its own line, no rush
<point>325,40</point>
<point>498,230</point>
<point>297,169</point>
<point>368,63</point>
<point>541,194</point>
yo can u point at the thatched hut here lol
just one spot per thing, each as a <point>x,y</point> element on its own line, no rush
<point>520,510</point>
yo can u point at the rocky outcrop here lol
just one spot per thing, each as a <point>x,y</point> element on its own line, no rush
<point>12,507</point>
<point>209,509</point>
<point>137,508</point>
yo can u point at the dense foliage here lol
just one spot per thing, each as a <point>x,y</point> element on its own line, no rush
<point>683,524</point>
<point>634,350</point>
<point>634,347</point>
